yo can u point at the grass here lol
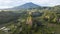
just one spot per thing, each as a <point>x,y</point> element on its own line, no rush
<point>53,28</point>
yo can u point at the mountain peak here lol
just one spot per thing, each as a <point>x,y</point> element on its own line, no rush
<point>30,3</point>
<point>25,6</point>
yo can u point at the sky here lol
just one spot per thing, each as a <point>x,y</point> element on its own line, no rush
<point>12,3</point>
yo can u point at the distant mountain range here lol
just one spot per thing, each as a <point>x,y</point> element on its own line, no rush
<point>29,5</point>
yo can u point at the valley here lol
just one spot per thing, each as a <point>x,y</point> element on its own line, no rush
<point>30,19</point>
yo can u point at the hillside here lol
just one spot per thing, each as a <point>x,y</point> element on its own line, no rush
<point>24,6</point>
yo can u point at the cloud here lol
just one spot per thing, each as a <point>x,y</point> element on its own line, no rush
<point>47,2</point>
<point>12,3</point>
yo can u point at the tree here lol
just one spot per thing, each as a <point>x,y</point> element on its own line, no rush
<point>49,16</point>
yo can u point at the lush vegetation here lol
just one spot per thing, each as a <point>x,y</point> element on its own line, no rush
<point>34,21</point>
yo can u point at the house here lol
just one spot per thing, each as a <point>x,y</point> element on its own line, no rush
<point>2,28</point>
<point>5,29</point>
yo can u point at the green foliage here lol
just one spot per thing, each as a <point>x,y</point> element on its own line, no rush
<point>45,23</point>
<point>49,16</point>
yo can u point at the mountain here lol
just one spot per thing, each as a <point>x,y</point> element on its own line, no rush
<point>24,6</point>
<point>29,5</point>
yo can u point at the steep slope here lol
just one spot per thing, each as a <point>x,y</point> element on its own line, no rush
<point>24,6</point>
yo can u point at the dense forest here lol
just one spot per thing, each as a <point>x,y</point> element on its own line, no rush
<point>45,20</point>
